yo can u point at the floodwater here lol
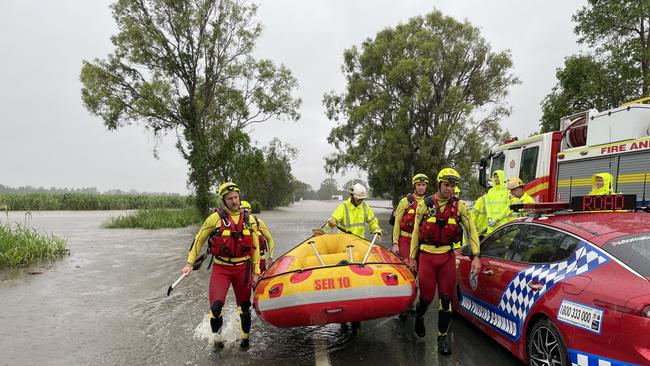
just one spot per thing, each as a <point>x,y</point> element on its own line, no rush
<point>106,304</point>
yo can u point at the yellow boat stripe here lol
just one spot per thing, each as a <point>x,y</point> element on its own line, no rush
<point>316,297</point>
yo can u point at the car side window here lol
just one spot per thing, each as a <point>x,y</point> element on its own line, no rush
<point>565,249</point>
<point>539,245</point>
<point>497,244</point>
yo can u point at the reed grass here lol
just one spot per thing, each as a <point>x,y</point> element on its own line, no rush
<point>156,219</point>
<point>39,201</point>
<point>22,246</point>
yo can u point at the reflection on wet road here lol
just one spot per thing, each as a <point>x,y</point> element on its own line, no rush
<point>106,304</point>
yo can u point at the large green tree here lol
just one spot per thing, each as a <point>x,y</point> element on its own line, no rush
<point>420,96</point>
<point>617,68</point>
<point>187,67</point>
<point>328,188</point>
<point>619,29</point>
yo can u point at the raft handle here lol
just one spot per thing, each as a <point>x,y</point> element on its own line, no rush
<point>365,258</point>
<point>334,311</point>
<point>350,250</point>
<point>311,243</point>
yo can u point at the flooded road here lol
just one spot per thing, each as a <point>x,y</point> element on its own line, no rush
<point>106,304</point>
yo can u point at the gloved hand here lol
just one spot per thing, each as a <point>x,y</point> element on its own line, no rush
<point>491,222</point>
<point>378,238</point>
<point>331,222</point>
<point>396,248</point>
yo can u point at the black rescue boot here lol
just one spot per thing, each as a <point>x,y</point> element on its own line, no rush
<point>420,310</point>
<point>443,345</point>
<point>216,321</point>
<point>245,318</point>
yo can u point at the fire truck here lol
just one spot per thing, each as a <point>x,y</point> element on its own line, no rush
<point>559,165</point>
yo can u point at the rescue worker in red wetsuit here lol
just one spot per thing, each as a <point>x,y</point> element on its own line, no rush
<point>405,216</point>
<point>265,238</point>
<point>436,229</point>
<point>235,256</point>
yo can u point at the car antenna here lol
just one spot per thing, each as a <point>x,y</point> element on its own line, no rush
<point>645,176</point>
<point>570,188</point>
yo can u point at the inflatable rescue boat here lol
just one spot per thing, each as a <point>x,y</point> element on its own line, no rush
<point>326,280</point>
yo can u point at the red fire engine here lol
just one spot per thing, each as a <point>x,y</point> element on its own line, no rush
<point>558,165</point>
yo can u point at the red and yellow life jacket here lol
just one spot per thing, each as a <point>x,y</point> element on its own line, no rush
<point>261,239</point>
<point>440,228</point>
<point>232,240</point>
<point>408,218</point>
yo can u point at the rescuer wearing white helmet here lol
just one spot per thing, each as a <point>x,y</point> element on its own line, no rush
<point>353,215</point>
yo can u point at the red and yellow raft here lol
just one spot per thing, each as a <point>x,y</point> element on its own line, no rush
<point>323,280</point>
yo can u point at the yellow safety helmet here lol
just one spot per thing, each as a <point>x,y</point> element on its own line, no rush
<point>226,188</point>
<point>456,190</point>
<point>420,178</point>
<point>514,182</point>
<point>245,204</point>
<point>448,175</point>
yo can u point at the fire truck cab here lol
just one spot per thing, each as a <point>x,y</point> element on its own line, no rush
<point>558,165</point>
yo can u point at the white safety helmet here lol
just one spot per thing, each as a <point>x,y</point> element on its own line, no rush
<point>358,191</point>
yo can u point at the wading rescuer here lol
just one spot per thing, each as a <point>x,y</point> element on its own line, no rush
<point>264,236</point>
<point>235,260</point>
<point>436,229</point>
<point>405,216</point>
<point>353,215</point>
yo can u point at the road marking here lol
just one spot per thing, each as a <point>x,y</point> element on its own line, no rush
<point>320,350</point>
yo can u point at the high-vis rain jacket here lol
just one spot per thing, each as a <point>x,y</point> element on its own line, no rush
<point>607,187</point>
<point>355,218</point>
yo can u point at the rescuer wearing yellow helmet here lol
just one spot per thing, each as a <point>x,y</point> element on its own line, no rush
<point>405,216</point>
<point>234,245</point>
<point>517,196</point>
<point>436,229</point>
<point>265,239</point>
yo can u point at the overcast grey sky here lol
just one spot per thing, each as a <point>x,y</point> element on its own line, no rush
<point>48,138</point>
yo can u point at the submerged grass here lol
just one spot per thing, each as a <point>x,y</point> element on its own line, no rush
<point>22,246</point>
<point>156,219</point>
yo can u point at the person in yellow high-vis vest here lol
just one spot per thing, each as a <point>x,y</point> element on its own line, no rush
<point>491,209</point>
<point>517,196</point>
<point>354,215</point>
<point>601,184</point>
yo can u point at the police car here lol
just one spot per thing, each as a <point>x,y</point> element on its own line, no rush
<point>565,287</point>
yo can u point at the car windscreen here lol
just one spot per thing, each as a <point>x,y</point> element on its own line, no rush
<point>633,250</point>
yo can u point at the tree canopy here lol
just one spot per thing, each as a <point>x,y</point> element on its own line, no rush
<point>420,96</point>
<point>187,67</point>
<point>617,68</point>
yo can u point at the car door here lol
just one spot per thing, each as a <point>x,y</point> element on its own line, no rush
<point>480,301</point>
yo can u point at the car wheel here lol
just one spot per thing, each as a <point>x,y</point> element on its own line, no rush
<point>546,346</point>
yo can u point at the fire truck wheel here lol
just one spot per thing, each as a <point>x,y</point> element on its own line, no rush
<point>545,345</point>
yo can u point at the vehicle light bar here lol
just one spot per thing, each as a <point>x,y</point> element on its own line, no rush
<point>540,207</point>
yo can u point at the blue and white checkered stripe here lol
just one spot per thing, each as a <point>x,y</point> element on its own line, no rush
<point>518,298</point>
<point>578,358</point>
